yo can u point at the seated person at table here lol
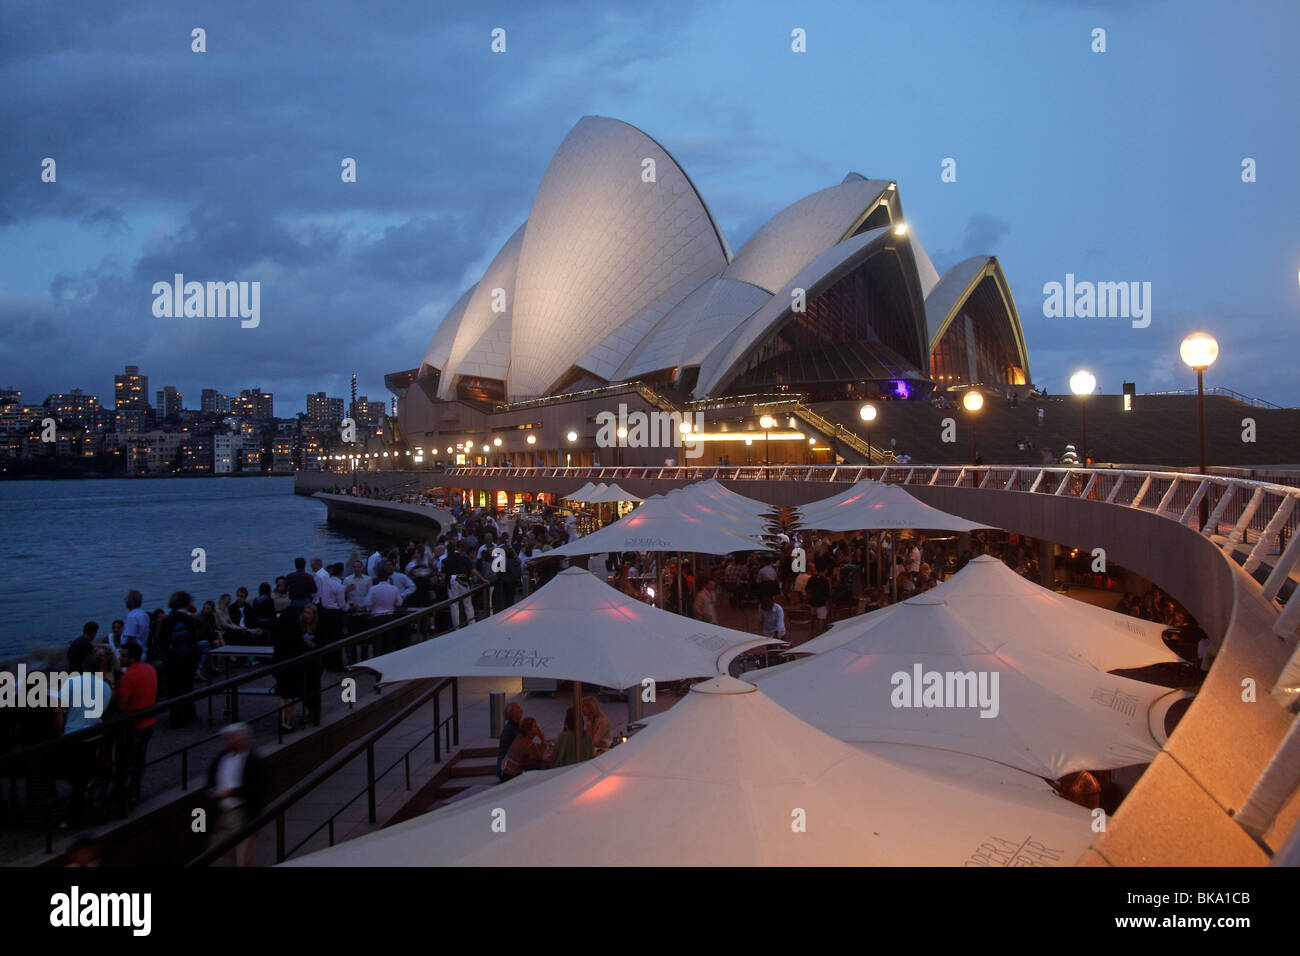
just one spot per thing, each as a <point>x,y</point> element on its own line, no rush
<point>528,752</point>
<point>565,747</point>
<point>598,728</point>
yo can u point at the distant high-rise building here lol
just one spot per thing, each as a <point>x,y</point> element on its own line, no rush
<point>169,402</point>
<point>131,389</point>
<point>73,406</point>
<point>325,411</point>
<point>214,402</point>
<point>253,403</point>
<point>368,413</point>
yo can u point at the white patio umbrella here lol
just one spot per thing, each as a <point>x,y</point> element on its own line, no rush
<point>871,505</point>
<point>611,494</point>
<point>720,507</point>
<point>997,601</point>
<point>914,677</point>
<point>578,628</point>
<point>580,494</point>
<point>728,778</point>
<point>657,524</point>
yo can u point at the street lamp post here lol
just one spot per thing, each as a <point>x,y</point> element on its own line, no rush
<point>766,423</point>
<point>1199,350</point>
<point>1082,383</point>
<point>568,456</point>
<point>973,401</point>
<point>868,414</point>
<point>618,449</point>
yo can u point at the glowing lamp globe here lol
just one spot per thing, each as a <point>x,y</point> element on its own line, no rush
<point>1083,383</point>
<point>973,401</point>
<point>572,436</point>
<point>532,439</point>
<point>767,421</point>
<point>867,413</point>
<point>1199,350</point>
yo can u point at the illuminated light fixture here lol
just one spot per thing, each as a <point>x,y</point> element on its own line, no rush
<point>749,441</point>
<point>532,439</point>
<point>497,442</point>
<point>890,187</point>
<point>685,428</point>
<point>767,422</point>
<point>449,451</point>
<point>1199,350</point>
<point>867,413</point>
<point>572,436</point>
<point>622,432</point>
<point>1083,382</point>
<point>812,441</point>
<point>973,401</point>
<point>900,229</point>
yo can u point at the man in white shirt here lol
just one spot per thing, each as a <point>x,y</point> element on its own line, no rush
<point>333,611</point>
<point>383,601</point>
<point>404,585</point>
<point>322,575</point>
<point>914,559</point>
<point>81,704</point>
<point>372,565</point>
<point>771,619</point>
<point>455,588</point>
<point>137,621</point>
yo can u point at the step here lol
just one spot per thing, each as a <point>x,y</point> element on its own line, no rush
<point>463,768</point>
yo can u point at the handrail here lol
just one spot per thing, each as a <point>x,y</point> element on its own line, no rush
<point>1220,390</point>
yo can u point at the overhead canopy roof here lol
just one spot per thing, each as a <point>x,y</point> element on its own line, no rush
<point>723,779</point>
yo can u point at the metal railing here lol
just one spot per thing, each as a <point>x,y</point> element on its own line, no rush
<point>278,809</point>
<point>45,757</point>
<point>1220,390</point>
<point>1249,520</point>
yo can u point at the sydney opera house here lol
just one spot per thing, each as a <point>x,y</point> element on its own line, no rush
<point>621,274</point>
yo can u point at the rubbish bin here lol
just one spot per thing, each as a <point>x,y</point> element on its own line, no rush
<point>497,713</point>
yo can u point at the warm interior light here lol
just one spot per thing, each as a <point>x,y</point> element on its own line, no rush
<point>867,413</point>
<point>812,441</point>
<point>1199,350</point>
<point>767,422</point>
<point>532,439</point>
<point>1082,382</point>
<point>749,441</point>
<point>497,442</point>
<point>686,428</point>
<point>973,401</point>
<point>900,229</point>
<point>622,432</point>
<point>572,436</point>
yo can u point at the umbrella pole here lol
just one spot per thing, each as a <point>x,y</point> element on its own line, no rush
<point>660,600</point>
<point>578,722</point>
<point>681,608</point>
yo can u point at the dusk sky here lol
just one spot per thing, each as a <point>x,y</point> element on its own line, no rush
<point>1117,166</point>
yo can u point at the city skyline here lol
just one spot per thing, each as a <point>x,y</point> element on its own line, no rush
<point>1065,170</point>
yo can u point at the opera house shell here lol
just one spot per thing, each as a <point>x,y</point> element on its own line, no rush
<point>621,274</point>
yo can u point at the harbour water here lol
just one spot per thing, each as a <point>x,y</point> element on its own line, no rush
<point>70,550</point>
